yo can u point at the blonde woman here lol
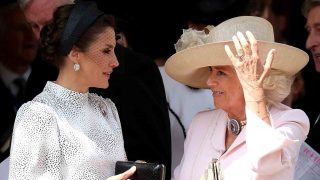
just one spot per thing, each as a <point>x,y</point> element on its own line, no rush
<point>250,135</point>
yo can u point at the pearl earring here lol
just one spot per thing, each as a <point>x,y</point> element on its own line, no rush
<point>76,67</point>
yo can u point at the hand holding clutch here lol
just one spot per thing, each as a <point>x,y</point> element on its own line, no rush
<point>123,176</point>
<point>144,171</point>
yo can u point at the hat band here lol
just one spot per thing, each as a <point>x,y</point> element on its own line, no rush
<point>81,17</point>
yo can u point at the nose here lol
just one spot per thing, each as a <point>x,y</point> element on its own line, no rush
<point>312,41</point>
<point>114,61</point>
<point>30,35</point>
<point>211,82</point>
<point>36,31</point>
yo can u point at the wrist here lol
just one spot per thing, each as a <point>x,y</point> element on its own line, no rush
<point>260,109</point>
<point>254,95</point>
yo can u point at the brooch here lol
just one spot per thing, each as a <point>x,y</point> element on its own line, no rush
<point>235,126</point>
<point>103,109</point>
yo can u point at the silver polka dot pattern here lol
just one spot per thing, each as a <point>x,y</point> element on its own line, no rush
<point>62,134</point>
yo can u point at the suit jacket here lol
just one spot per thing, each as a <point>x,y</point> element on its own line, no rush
<point>314,136</point>
<point>260,151</point>
<point>308,103</point>
<point>41,72</point>
<point>8,114</point>
<point>137,90</point>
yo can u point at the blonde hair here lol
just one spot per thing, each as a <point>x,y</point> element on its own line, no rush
<point>277,86</point>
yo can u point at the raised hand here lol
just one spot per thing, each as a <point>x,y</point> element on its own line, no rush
<point>250,70</point>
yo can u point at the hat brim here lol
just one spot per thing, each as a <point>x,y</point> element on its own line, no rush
<point>190,66</point>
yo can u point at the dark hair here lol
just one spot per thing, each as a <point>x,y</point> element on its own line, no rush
<point>52,33</point>
<point>308,5</point>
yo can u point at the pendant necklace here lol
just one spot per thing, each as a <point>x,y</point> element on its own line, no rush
<point>235,126</point>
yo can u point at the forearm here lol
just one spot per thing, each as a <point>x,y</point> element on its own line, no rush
<point>257,103</point>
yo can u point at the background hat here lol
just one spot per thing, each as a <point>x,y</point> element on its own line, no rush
<point>190,66</point>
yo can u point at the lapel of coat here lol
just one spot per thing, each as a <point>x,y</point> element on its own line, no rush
<point>240,140</point>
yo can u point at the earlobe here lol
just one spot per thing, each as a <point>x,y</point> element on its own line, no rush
<point>74,55</point>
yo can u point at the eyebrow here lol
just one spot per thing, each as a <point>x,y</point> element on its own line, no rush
<point>313,25</point>
<point>109,46</point>
<point>220,67</point>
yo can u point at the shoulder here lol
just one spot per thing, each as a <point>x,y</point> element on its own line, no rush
<point>35,115</point>
<point>32,108</point>
<point>97,100</point>
<point>284,112</point>
<point>204,119</point>
<point>208,115</point>
<point>93,97</point>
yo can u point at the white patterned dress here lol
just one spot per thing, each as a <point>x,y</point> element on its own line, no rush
<point>62,134</point>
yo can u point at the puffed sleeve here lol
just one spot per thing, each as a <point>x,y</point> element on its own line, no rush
<point>35,151</point>
<point>113,109</point>
<point>276,147</point>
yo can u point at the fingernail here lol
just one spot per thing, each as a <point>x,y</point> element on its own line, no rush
<point>234,37</point>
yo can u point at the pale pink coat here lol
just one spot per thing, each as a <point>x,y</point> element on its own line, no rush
<point>260,152</point>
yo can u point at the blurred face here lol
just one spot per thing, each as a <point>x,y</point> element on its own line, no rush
<point>313,40</point>
<point>98,61</point>
<point>18,43</point>
<point>226,88</point>
<point>122,40</point>
<point>39,13</point>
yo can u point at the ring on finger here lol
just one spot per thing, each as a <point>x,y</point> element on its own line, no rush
<point>240,52</point>
<point>239,57</point>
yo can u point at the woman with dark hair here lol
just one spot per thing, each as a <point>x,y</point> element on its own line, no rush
<point>66,132</point>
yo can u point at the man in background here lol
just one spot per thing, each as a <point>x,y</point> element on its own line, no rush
<point>311,10</point>
<point>18,49</point>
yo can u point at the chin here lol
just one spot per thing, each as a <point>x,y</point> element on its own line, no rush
<point>104,85</point>
<point>217,105</point>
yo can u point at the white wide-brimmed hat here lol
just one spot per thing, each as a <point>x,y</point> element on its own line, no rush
<point>199,50</point>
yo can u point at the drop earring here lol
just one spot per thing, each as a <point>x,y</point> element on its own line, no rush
<point>76,67</point>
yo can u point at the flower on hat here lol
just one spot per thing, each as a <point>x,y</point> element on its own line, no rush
<point>192,37</point>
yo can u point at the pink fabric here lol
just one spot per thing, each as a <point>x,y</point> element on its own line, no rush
<point>260,152</point>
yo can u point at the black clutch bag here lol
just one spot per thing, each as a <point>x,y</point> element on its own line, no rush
<point>144,171</point>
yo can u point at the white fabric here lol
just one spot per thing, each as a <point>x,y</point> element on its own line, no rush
<point>185,102</point>
<point>4,169</point>
<point>260,151</point>
<point>62,134</point>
